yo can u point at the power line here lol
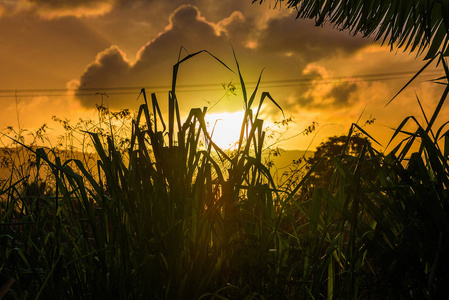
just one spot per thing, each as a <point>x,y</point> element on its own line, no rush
<point>304,81</point>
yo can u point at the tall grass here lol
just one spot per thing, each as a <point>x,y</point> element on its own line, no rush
<point>168,219</point>
<point>378,228</point>
<point>173,216</point>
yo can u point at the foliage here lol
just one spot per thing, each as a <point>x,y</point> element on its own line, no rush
<point>172,216</point>
<point>322,159</point>
<point>412,24</point>
<point>165,219</point>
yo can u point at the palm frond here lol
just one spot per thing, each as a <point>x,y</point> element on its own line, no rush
<point>420,25</point>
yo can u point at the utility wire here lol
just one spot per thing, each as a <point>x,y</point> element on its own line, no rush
<point>305,81</point>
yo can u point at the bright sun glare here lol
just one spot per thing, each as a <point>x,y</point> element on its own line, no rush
<point>227,129</point>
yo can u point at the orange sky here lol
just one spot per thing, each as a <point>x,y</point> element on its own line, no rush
<point>316,74</point>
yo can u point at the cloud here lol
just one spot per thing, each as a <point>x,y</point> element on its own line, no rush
<point>238,29</point>
<point>93,8</point>
<point>325,96</point>
<point>289,36</point>
<point>153,65</point>
<point>187,27</point>
<point>51,9</point>
<point>326,92</point>
<point>110,66</point>
<point>8,7</point>
<point>318,94</point>
<point>56,4</point>
<point>282,44</point>
<point>341,93</point>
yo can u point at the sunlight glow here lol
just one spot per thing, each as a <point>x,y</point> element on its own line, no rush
<point>227,130</point>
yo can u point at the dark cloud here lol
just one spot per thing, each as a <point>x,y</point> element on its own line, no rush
<point>238,29</point>
<point>342,93</point>
<point>337,96</point>
<point>219,10</point>
<point>153,67</point>
<point>300,37</point>
<point>184,17</point>
<point>214,12</point>
<point>187,28</point>
<point>284,45</point>
<point>110,67</point>
<point>318,95</point>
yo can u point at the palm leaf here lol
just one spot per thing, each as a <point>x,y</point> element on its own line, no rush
<point>399,23</point>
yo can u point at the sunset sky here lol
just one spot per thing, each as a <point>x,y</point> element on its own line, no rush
<point>51,50</point>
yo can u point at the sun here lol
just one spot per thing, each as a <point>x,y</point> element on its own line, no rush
<point>227,127</point>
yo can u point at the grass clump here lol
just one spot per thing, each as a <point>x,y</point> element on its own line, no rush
<point>174,216</point>
<point>166,214</point>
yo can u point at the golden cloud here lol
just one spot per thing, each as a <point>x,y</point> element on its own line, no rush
<point>48,9</point>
